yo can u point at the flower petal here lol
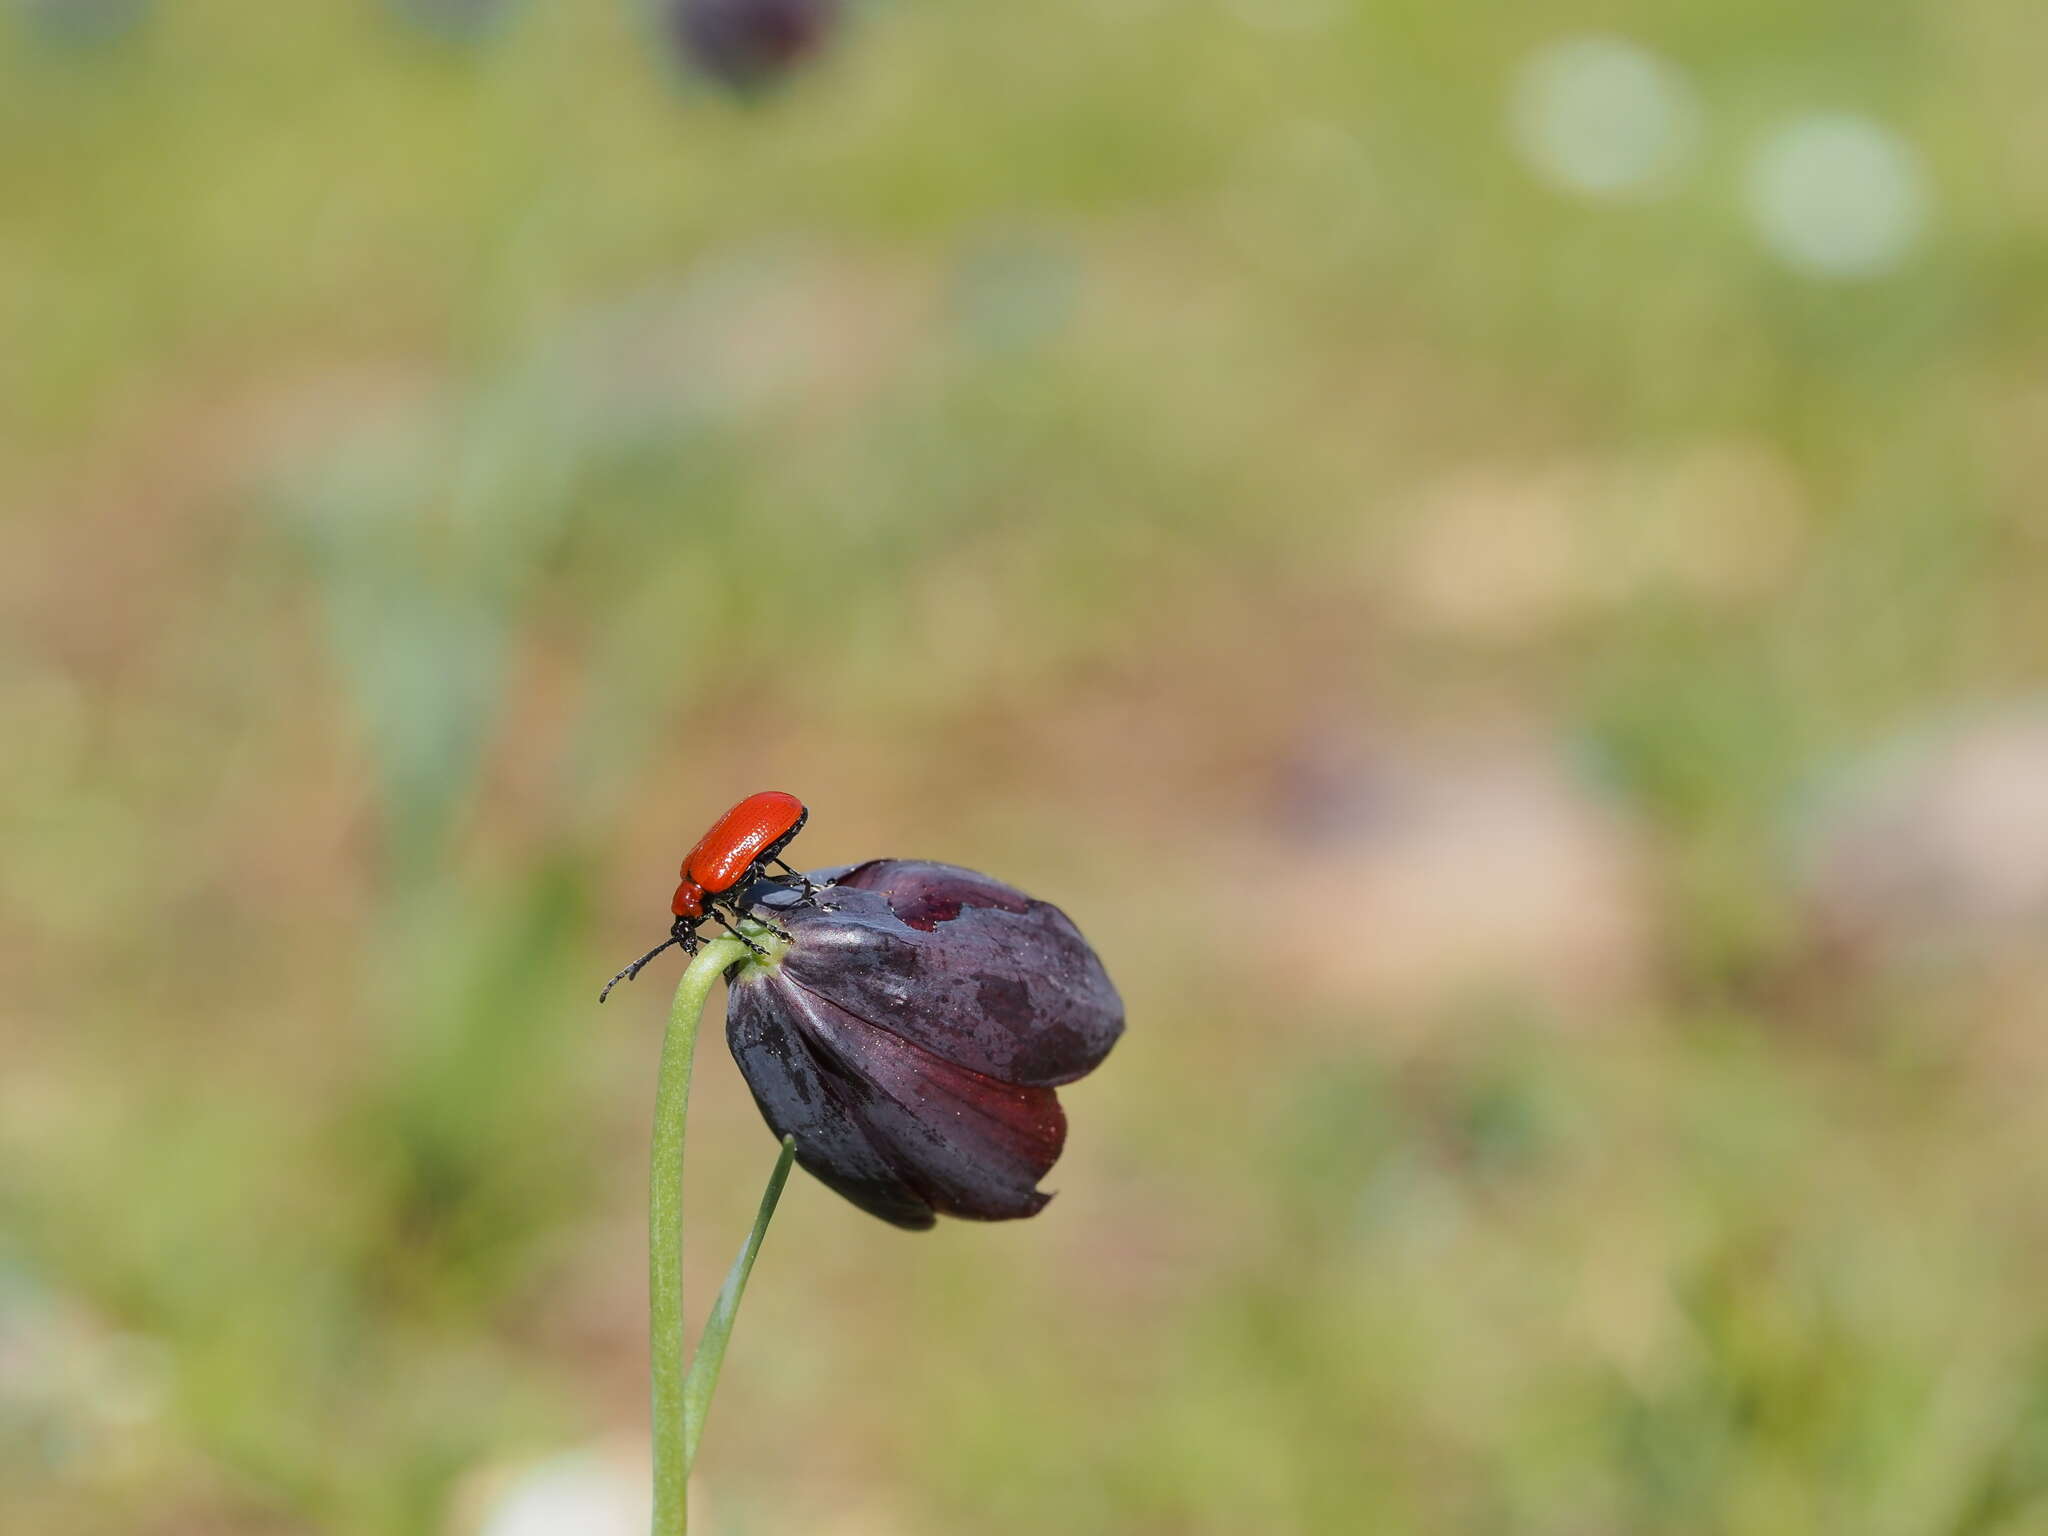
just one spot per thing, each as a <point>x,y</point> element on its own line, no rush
<point>966,967</point>
<point>885,1122</point>
<point>970,1145</point>
<point>797,1098</point>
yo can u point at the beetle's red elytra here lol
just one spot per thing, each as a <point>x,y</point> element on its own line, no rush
<point>734,853</point>
<point>739,842</point>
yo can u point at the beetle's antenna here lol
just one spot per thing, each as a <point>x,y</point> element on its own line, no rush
<point>638,965</point>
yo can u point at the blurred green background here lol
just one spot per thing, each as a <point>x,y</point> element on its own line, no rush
<point>1493,557</point>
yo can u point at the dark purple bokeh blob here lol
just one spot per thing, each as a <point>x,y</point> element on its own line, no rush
<point>748,43</point>
<point>912,1035</point>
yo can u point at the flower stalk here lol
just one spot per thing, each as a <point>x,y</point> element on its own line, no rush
<point>682,1389</point>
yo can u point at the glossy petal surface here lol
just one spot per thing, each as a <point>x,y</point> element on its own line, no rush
<point>969,968</point>
<point>910,1037</point>
<point>798,1098</point>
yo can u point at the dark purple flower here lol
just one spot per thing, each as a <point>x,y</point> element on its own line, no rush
<point>911,1037</point>
<point>748,43</point>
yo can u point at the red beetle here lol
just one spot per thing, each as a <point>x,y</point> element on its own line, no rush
<point>739,848</point>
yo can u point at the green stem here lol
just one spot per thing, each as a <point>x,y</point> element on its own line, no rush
<point>665,1234</point>
<point>703,1378</point>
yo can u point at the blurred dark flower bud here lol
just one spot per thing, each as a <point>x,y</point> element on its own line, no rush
<point>911,1036</point>
<point>748,43</point>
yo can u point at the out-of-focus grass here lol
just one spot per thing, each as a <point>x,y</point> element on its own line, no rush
<point>1088,442</point>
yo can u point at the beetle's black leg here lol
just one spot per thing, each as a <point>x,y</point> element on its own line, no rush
<point>728,927</point>
<point>773,927</point>
<point>810,891</point>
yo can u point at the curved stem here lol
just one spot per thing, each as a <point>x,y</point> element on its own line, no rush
<point>702,1380</point>
<point>665,1234</point>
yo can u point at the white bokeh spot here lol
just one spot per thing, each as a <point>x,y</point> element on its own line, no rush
<point>1837,195</point>
<point>1601,116</point>
<point>569,1495</point>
